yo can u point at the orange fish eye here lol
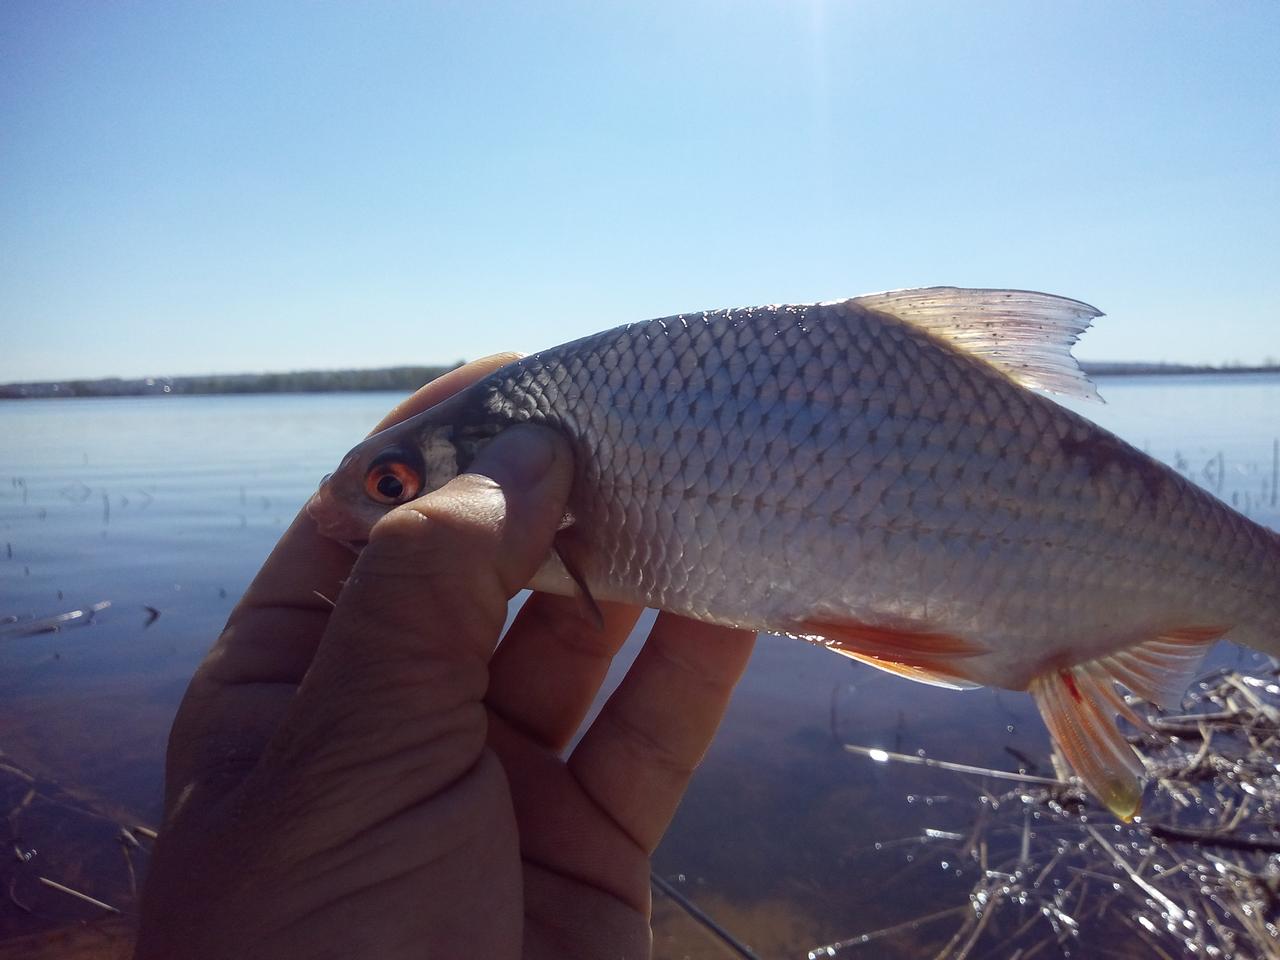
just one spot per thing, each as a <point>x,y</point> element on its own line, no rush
<point>391,482</point>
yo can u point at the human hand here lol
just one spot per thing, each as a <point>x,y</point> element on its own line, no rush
<point>372,779</point>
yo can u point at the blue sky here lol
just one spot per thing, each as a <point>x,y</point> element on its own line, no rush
<point>199,187</point>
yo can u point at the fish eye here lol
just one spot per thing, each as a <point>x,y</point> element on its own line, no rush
<point>391,481</point>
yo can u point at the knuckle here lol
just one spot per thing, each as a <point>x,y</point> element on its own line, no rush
<point>465,514</point>
<point>417,573</point>
<point>441,553</point>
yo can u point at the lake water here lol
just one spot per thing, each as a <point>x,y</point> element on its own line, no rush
<point>165,507</point>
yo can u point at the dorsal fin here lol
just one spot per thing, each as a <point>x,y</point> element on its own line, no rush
<point>1026,335</point>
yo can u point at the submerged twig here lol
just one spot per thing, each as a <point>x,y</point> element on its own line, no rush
<point>53,884</point>
<point>1216,776</point>
<point>831,949</point>
<point>1212,838</point>
<point>52,624</point>
<point>875,753</point>
<point>699,915</point>
<point>13,895</point>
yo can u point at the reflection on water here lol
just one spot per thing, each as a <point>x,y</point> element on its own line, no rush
<point>165,508</point>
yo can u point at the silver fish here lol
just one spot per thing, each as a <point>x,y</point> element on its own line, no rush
<point>873,474</point>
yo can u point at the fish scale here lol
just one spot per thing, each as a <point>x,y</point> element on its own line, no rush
<point>874,474</point>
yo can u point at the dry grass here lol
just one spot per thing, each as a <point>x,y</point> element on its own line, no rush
<point>1197,875</point>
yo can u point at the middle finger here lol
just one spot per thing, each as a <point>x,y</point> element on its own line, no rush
<point>636,760</point>
<point>552,661</point>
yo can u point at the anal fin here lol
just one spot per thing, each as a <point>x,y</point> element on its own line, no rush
<point>1080,705</point>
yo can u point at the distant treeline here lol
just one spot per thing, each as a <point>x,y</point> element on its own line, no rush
<point>1125,368</point>
<point>406,379</point>
<point>302,381</point>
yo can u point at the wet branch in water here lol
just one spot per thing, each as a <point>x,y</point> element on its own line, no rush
<point>1197,875</point>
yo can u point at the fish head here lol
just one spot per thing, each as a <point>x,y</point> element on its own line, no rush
<point>390,468</point>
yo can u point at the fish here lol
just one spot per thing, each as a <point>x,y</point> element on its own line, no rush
<point>884,475</point>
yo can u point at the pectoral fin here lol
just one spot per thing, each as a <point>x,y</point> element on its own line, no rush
<point>911,672</point>
<point>582,593</point>
<point>912,651</point>
<point>561,576</point>
<point>1080,706</point>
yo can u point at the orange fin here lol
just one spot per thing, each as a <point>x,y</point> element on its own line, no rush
<point>912,651</point>
<point>1160,670</point>
<point>1080,705</point>
<point>919,674</point>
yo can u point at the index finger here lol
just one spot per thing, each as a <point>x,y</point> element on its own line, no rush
<point>444,386</point>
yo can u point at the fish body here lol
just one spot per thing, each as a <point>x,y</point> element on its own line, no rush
<point>873,474</point>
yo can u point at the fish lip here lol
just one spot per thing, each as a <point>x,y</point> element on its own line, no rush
<point>334,522</point>
<point>317,508</point>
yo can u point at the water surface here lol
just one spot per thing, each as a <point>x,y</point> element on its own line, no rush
<point>165,507</point>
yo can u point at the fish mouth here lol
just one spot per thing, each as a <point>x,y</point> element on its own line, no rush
<point>336,523</point>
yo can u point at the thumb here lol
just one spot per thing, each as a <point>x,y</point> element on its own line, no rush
<point>403,665</point>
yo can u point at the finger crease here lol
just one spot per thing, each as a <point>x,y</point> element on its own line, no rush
<point>701,675</point>
<point>647,747</point>
<point>580,638</point>
<point>605,812</point>
<point>590,880</point>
